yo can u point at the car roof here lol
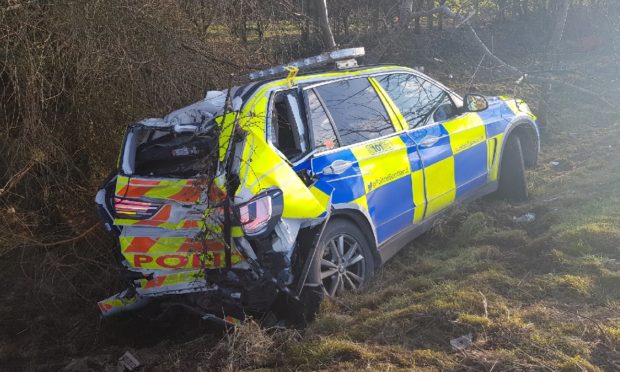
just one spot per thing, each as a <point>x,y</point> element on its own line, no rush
<point>322,75</point>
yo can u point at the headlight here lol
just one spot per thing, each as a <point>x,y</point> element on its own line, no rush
<point>258,216</point>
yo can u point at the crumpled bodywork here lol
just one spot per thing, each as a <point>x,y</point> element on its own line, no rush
<point>171,219</point>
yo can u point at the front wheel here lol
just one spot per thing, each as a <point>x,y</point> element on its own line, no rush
<point>347,262</point>
<point>512,181</point>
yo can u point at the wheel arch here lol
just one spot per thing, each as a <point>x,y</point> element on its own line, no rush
<point>362,221</point>
<point>528,134</point>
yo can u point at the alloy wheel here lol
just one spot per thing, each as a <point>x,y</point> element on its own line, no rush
<point>343,265</point>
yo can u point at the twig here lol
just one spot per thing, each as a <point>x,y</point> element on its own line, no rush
<point>596,323</point>
<point>512,69</point>
<point>65,241</point>
<point>14,180</point>
<point>485,304</point>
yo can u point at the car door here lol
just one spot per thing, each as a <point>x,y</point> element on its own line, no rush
<point>452,145</point>
<point>361,160</point>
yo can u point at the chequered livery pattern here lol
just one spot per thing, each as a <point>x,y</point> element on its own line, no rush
<point>399,181</point>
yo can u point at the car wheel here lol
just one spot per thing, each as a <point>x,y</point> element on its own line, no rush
<point>512,180</point>
<point>347,262</point>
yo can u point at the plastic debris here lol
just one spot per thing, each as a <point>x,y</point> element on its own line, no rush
<point>526,218</point>
<point>554,163</point>
<point>128,362</point>
<point>461,343</point>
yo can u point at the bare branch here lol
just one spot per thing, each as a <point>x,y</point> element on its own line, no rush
<point>465,21</point>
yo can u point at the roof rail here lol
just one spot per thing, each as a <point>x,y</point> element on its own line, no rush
<point>344,58</point>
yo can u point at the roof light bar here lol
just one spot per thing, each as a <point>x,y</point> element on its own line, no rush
<point>315,61</point>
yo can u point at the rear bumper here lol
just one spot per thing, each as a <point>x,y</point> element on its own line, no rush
<point>226,288</point>
<point>121,302</point>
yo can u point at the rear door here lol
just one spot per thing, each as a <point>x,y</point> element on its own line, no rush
<point>361,157</point>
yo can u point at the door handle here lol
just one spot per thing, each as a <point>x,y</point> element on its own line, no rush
<point>429,141</point>
<point>337,167</point>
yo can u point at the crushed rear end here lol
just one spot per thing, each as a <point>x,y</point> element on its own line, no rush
<point>189,230</point>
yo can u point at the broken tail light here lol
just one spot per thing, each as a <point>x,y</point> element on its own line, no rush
<point>134,209</point>
<point>262,213</point>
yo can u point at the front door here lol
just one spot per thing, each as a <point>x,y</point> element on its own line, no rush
<point>361,161</point>
<point>452,147</point>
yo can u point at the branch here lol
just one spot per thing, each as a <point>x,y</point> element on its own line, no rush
<point>65,241</point>
<point>14,180</point>
<point>512,69</point>
<point>16,6</point>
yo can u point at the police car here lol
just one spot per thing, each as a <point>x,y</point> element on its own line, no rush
<point>265,197</point>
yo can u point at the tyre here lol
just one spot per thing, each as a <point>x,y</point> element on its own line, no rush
<point>512,181</point>
<point>347,262</point>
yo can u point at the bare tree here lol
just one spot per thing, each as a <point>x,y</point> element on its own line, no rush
<point>322,19</point>
<point>552,52</point>
<point>558,28</point>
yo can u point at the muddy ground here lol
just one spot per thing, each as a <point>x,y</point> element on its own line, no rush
<point>541,295</point>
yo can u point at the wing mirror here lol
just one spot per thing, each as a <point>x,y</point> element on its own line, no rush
<point>475,103</point>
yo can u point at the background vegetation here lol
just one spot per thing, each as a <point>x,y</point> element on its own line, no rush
<point>542,295</point>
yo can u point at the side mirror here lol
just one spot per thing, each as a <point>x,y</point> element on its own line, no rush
<point>475,103</point>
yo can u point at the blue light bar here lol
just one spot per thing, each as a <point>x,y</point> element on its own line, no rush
<point>315,61</point>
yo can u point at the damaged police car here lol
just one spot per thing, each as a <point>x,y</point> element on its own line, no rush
<point>263,198</point>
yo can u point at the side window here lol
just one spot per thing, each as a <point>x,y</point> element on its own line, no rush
<point>325,137</point>
<point>356,110</point>
<point>417,99</point>
<point>287,128</point>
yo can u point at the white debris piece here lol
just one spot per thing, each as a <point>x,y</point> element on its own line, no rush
<point>461,343</point>
<point>190,118</point>
<point>526,218</point>
<point>128,362</point>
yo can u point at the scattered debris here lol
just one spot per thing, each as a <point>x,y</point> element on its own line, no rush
<point>461,343</point>
<point>526,218</point>
<point>561,165</point>
<point>128,362</point>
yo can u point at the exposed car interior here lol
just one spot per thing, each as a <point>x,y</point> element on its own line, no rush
<point>287,128</point>
<point>167,153</point>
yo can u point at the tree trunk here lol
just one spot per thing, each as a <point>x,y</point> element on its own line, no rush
<point>440,16</point>
<point>327,38</point>
<point>431,5</point>
<point>406,8</point>
<point>416,25</point>
<point>552,55</point>
<point>558,28</point>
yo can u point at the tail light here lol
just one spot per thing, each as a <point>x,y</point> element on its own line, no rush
<point>258,216</point>
<point>134,209</point>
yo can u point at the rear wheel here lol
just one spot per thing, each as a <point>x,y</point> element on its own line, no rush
<point>512,180</point>
<point>347,262</point>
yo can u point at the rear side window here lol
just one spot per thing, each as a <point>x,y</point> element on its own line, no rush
<point>415,97</point>
<point>287,130</point>
<point>356,110</point>
<point>325,137</point>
